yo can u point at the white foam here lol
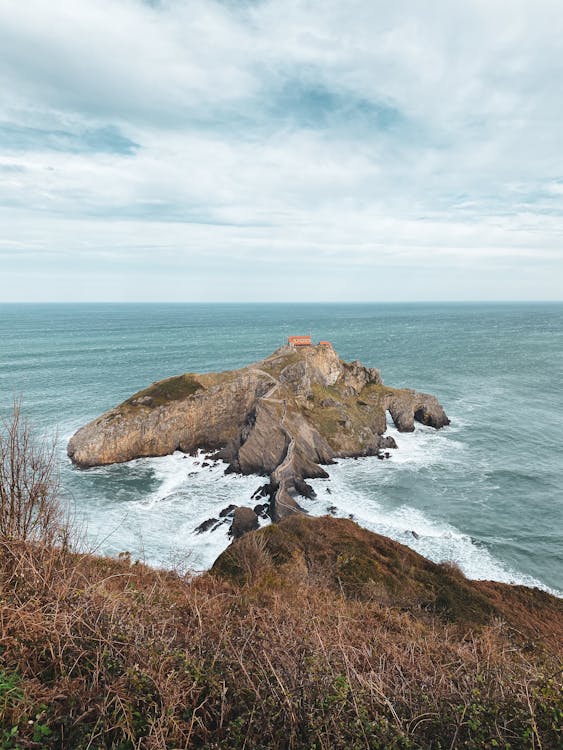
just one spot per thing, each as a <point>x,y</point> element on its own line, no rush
<point>351,496</point>
<point>424,447</point>
<point>159,528</point>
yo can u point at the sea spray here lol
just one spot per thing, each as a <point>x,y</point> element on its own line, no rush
<point>157,506</point>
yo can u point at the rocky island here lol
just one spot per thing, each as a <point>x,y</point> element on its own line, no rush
<point>284,417</point>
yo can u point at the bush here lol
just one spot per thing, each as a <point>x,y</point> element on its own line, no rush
<point>30,509</point>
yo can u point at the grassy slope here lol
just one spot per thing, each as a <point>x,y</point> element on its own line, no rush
<point>164,391</point>
<point>310,634</point>
<point>176,388</point>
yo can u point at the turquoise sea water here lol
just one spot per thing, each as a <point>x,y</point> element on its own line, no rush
<point>485,492</point>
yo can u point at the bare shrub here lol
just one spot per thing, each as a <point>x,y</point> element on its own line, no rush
<point>30,508</point>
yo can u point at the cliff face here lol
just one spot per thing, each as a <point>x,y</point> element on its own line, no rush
<point>284,417</point>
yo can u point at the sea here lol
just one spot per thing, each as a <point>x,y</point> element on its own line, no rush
<point>485,493</point>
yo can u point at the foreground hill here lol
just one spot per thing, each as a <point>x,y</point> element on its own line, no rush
<point>351,561</point>
<point>309,634</point>
<point>283,417</point>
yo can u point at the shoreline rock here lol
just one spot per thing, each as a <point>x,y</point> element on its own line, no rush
<point>244,520</point>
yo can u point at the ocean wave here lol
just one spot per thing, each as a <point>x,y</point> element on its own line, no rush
<point>423,448</point>
<point>158,503</point>
<point>155,505</point>
<point>355,490</point>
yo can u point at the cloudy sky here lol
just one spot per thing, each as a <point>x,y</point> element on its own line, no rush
<point>193,150</point>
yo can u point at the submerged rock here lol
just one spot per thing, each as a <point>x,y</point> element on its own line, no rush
<point>228,511</point>
<point>284,417</point>
<point>206,525</point>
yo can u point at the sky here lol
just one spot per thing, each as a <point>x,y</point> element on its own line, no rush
<point>283,150</point>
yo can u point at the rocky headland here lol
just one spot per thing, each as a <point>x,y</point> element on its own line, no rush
<point>284,417</point>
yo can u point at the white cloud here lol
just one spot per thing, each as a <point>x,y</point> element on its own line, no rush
<point>437,143</point>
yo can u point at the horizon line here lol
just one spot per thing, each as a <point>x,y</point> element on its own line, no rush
<point>285,302</point>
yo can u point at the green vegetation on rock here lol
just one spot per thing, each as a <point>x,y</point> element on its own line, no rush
<point>165,391</point>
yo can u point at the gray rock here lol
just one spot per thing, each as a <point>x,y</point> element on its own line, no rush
<point>205,526</point>
<point>244,520</point>
<point>228,511</point>
<point>284,417</point>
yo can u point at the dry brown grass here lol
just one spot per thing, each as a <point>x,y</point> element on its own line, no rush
<point>312,634</point>
<point>99,653</point>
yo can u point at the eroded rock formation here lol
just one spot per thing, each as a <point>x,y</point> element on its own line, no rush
<point>284,417</point>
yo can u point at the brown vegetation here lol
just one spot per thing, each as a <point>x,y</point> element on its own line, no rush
<point>341,556</point>
<point>287,653</point>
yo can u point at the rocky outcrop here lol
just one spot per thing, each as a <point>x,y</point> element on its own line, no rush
<point>244,520</point>
<point>284,417</point>
<point>410,406</point>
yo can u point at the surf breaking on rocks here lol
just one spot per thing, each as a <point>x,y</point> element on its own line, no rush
<point>285,417</point>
